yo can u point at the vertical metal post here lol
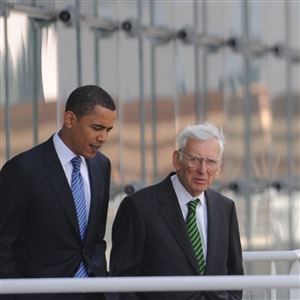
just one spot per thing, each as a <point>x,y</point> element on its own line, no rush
<point>203,101</point>
<point>289,120</point>
<point>7,115</point>
<point>153,96</point>
<point>289,99</point>
<point>273,295</point>
<point>178,81</point>
<point>120,108</point>
<point>247,117</point>
<point>96,47</point>
<point>178,89</point>
<point>141,92</point>
<point>78,42</point>
<point>35,79</point>
<point>196,55</point>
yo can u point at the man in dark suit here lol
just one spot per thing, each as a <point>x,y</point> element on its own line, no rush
<point>40,232</point>
<point>180,226</point>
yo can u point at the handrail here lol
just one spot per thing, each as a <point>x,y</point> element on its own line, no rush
<point>164,283</point>
<point>139,284</point>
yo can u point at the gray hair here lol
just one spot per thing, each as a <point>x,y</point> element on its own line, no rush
<point>202,132</point>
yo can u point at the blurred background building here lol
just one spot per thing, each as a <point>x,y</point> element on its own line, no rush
<point>168,63</point>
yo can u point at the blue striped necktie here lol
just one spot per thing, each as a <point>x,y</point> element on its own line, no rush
<point>194,234</point>
<point>79,199</point>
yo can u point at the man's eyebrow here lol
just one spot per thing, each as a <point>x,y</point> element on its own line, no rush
<point>99,126</point>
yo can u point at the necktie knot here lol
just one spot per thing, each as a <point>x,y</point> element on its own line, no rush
<point>192,205</point>
<point>76,161</point>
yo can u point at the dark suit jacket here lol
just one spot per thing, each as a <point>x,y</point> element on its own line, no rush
<point>39,233</point>
<point>150,239</point>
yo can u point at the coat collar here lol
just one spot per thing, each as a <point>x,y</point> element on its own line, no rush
<point>57,179</point>
<point>214,225</point>
<point>172,215</point>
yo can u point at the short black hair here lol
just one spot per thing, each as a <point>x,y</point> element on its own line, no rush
<point>84,98</point>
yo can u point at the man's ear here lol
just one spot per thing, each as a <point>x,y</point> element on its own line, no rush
<point>217,173</point>
<point>176,159</point>
<point>69,118</point>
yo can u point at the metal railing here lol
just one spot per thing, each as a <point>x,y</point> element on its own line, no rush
<point>273,257</point>
<point>143,284</point>
<point>169,283</point>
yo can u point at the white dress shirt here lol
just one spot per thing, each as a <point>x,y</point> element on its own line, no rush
<point>65,156</point>
<point>201,210</point>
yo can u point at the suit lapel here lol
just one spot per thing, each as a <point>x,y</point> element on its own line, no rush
<point>213,220</point>
<point>172,215</point>
<point>96,187</point>
<point>57,179</point>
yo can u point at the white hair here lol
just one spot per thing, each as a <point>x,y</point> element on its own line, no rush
<point>202,132</point>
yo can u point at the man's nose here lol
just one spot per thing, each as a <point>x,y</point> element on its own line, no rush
<point>102,136</point>
<point>202,166</point>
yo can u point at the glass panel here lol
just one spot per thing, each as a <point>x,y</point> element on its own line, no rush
<point>295,98</point>
<point>166,97</point>
<point>20,82</point>
<point>3,94</point>
<point>47,61</point>
<point>48,109</point>
<point>224,18</point>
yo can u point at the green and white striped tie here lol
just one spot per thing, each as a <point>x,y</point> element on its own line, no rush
<point>194,234</point>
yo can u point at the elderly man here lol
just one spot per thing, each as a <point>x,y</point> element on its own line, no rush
<point>180,226</point>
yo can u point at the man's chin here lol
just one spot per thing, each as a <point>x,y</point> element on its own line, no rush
<point>91,154</point>
<point>201,189</point>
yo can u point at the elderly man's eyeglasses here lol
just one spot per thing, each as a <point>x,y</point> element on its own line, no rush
<point>197,161</point>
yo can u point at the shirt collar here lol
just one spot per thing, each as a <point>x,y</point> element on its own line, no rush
<point>64,153</point>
